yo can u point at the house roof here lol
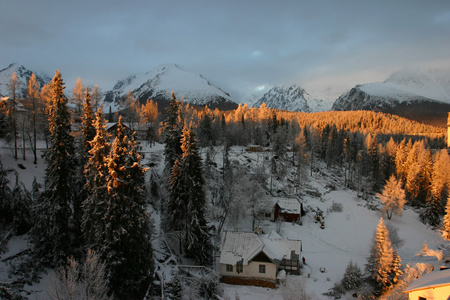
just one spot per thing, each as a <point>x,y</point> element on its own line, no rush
<point>288,205</point>
<point>243,246</point>
<point>430,280</point>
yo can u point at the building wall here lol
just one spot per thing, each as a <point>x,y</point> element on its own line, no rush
<point>438,293</point>
<point>252,271</point>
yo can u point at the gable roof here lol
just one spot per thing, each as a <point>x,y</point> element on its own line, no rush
<point>430,280</point>
<point>288,205</point>
<point>244,246</point>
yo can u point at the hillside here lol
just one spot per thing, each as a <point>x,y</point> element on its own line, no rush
<point>347,234</point>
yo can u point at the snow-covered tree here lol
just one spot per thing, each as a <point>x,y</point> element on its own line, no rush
<point>187,201</point>
<point>172,131</point>
<point>352,277</point>
<point>54,208</point>
<point>6,212</point>
<point>379,262</point>
<point>396,272</point>
<point>431,214</point>
<point>447,220</point>
<point>126,248</point>
<point>95,205</point>
<point>393,197</point>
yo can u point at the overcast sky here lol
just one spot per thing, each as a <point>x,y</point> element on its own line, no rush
<point>241,46</point>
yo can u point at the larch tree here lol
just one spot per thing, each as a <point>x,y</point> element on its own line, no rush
<point>393,197</point>
<point>52,230</point>
<point>14,90</point>
<point>187,176</point>
<point>78,98</point>
<point>96,97</point>
<point>33,96</point>
<point>126,247</point>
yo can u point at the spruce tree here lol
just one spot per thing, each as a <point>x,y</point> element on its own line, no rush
<point>54,208</point>
<point>431,214</point>
<point>126,247</point>
<point>187,191</point>
<point>447,220</point>
<point>95,205</point>
<point>173,131</point>
<point>6,210</point>
<point>352,277</point>
<point>379,263</point>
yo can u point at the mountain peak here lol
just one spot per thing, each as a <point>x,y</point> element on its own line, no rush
<point>23,75</point>
<point>159,82</point>
<point>285,97</point>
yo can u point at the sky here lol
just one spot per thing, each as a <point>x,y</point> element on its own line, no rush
<point>244,47</point>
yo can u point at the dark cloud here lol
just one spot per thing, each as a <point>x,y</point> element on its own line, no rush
<point>238,45</point>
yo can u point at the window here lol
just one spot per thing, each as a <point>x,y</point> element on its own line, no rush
<point>239,268</point>
<point>422,298</point>
<point>262,268</point>
<point>229,268</point>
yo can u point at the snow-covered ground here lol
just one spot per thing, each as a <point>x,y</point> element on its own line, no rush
<point>347,234</point>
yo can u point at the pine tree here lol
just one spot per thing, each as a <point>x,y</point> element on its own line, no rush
<point>379,263</point>
<point>95,206</point>
<point>187,193</point>
<point>54,213</point>
<point>126,247</point>
<point>447,220</point>
<point>393,196</point>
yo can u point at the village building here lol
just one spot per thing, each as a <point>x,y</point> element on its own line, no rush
<point>286,209</point>
<point>432,286</point>
<point>248,258</point>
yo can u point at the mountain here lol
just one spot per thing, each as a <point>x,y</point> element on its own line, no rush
<point>23,74</point>
<point>158,84</point>
<point>420,95</point>
<point>292,98</point>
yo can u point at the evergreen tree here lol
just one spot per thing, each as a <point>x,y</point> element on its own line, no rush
<point>447,220</point>
<point>6,211</point>
<point>95,206</point>
<point>352,277</point>
<point>431,214</point>
<point>188,194</point>
<point>126,247</point>
<point>54,208</point>
<point>173,131</point>
<point>396,271</point>
<point>22,219</point>
<point>379,263</point>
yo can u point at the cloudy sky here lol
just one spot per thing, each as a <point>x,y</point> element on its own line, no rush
<point>243,46</point>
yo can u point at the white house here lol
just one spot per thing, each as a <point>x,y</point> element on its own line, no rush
<point>248,258</point>
<point>432,286</point>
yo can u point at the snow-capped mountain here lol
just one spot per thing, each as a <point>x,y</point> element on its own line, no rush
<point>23,74</point>
<point>292,98</point>
<point>421,95</point>
<point>158,84</point>
<point>289,98</point>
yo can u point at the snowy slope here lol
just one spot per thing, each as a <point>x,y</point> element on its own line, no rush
<point>23,75</point>
<point>159,83</point>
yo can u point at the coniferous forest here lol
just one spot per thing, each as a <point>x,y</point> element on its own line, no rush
<point>91,225</point>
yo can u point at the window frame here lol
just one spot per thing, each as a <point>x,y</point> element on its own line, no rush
<point>229,268</point>
<point>262,269</point>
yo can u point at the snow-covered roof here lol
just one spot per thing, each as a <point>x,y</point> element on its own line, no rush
<point>431,280</point>
<point>243,246</point>
<point>288,205</point>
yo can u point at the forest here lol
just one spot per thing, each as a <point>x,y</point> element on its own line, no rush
<point>89,219</point>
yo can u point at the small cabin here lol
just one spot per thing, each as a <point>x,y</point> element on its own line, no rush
<point>248,258</point>
<point>287,209</point>
<point>433,285</point>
